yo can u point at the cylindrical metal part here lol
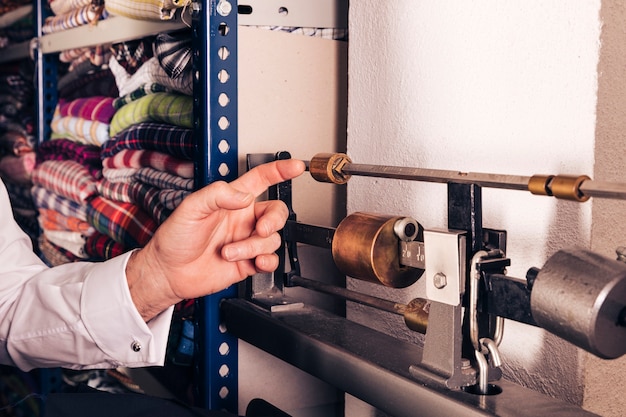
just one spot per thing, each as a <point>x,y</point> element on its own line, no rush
<point>580,296</point>
<point>416,315</point>
<point>327,167</point>
<point>538,184</point>
<point>568,187</point>
<point>365,247</point>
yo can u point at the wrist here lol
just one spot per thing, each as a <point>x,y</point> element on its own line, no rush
<point>147,285</point>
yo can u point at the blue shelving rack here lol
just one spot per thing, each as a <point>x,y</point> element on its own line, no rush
<point>214,37</point>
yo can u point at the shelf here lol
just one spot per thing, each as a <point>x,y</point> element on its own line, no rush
<point>111,30</point>
<point>14,52</point>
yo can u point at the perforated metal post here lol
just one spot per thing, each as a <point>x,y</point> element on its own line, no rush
<point>215,122</point>
<point>46,73</point>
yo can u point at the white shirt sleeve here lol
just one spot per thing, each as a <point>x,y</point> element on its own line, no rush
<point>79,315</point>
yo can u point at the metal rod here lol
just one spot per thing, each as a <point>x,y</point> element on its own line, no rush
<point>588,188</point>
<point>364,299</point>
<point>512,182</point>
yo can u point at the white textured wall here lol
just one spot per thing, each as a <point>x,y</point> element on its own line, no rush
<point>488,86</point>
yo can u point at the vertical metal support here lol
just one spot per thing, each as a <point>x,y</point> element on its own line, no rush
<point>214,39</point>
<point>465,213</point>
<point>46,83</point>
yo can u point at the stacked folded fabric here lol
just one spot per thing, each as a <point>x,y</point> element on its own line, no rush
<point>17,155</point>
<point>16,22</point>
<point>149,157</point>
<point>146,9</point>
<point>73,13</point>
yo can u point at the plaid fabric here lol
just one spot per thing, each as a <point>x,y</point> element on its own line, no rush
<point>53,220</point>
<point>173,140</point>
<point>72,242</point>
<point>125,223</point>
<point>173,50</point>
<point>116,191</point>
<point>18,169</point>
<point>147,197</point>
<point>128,158</point>
<point>44,198</point>
<point>142,91</point>
<point>145,9</point>
<point>53,255</point>
<point>132,54</point>
<point>91,108</point>
<point>170,108</point>
<point>69,179</point>
<point>101,247</point>
<point>78,17</point>
<point>150,72</point>
<point>77,84</point>
<point>163,180</point>
<point>172,198</point>
<point>90,132</point>
<point>62,149</point>
<point>119,174</point>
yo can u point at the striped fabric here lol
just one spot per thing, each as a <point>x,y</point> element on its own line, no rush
<point>128,158</point>
<point>163,180</point>
<point>173,50</point>
<point>142,91</point>
<point>169,108</point>
<point>150,72</point>
<point>68,179</point>
<point>119,174</point>
<point>125,223</point>
<point>85,131</point>
<point>101,247</point>
<point>78,17</point>
<point>98,55</point>
<point>91,108</point>
<point>145,9</point>
<point>116,191</point>
<point>53,220</point>
<point>60,7</point>
<point>44,198</point>
<point>173,140</point>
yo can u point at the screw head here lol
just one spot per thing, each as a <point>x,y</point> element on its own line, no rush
<point>440,280</point>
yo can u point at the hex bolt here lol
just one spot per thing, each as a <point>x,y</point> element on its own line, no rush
<point>224,7</point>
<point>440,280</point>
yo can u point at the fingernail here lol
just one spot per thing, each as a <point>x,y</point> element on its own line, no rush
<point>231,253</point>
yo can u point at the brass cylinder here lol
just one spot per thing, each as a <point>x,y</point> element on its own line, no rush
<point>326,167</point>
<point>539,184</point>
<point>416,315</point>
<point>365,247</point>
<point>568,187</point>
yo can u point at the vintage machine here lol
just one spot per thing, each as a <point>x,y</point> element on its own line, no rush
<point>577,295</point>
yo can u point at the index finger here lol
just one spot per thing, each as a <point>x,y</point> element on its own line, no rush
<point>258,179</point>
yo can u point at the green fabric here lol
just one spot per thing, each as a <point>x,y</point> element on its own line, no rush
<point>168,108</point>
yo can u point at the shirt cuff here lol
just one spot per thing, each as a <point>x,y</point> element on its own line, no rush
<point>114,323</point>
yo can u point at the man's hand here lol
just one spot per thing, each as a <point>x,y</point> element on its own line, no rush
<point>218,236</point>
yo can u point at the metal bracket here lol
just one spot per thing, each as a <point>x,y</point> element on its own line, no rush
<point>445,265</point>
